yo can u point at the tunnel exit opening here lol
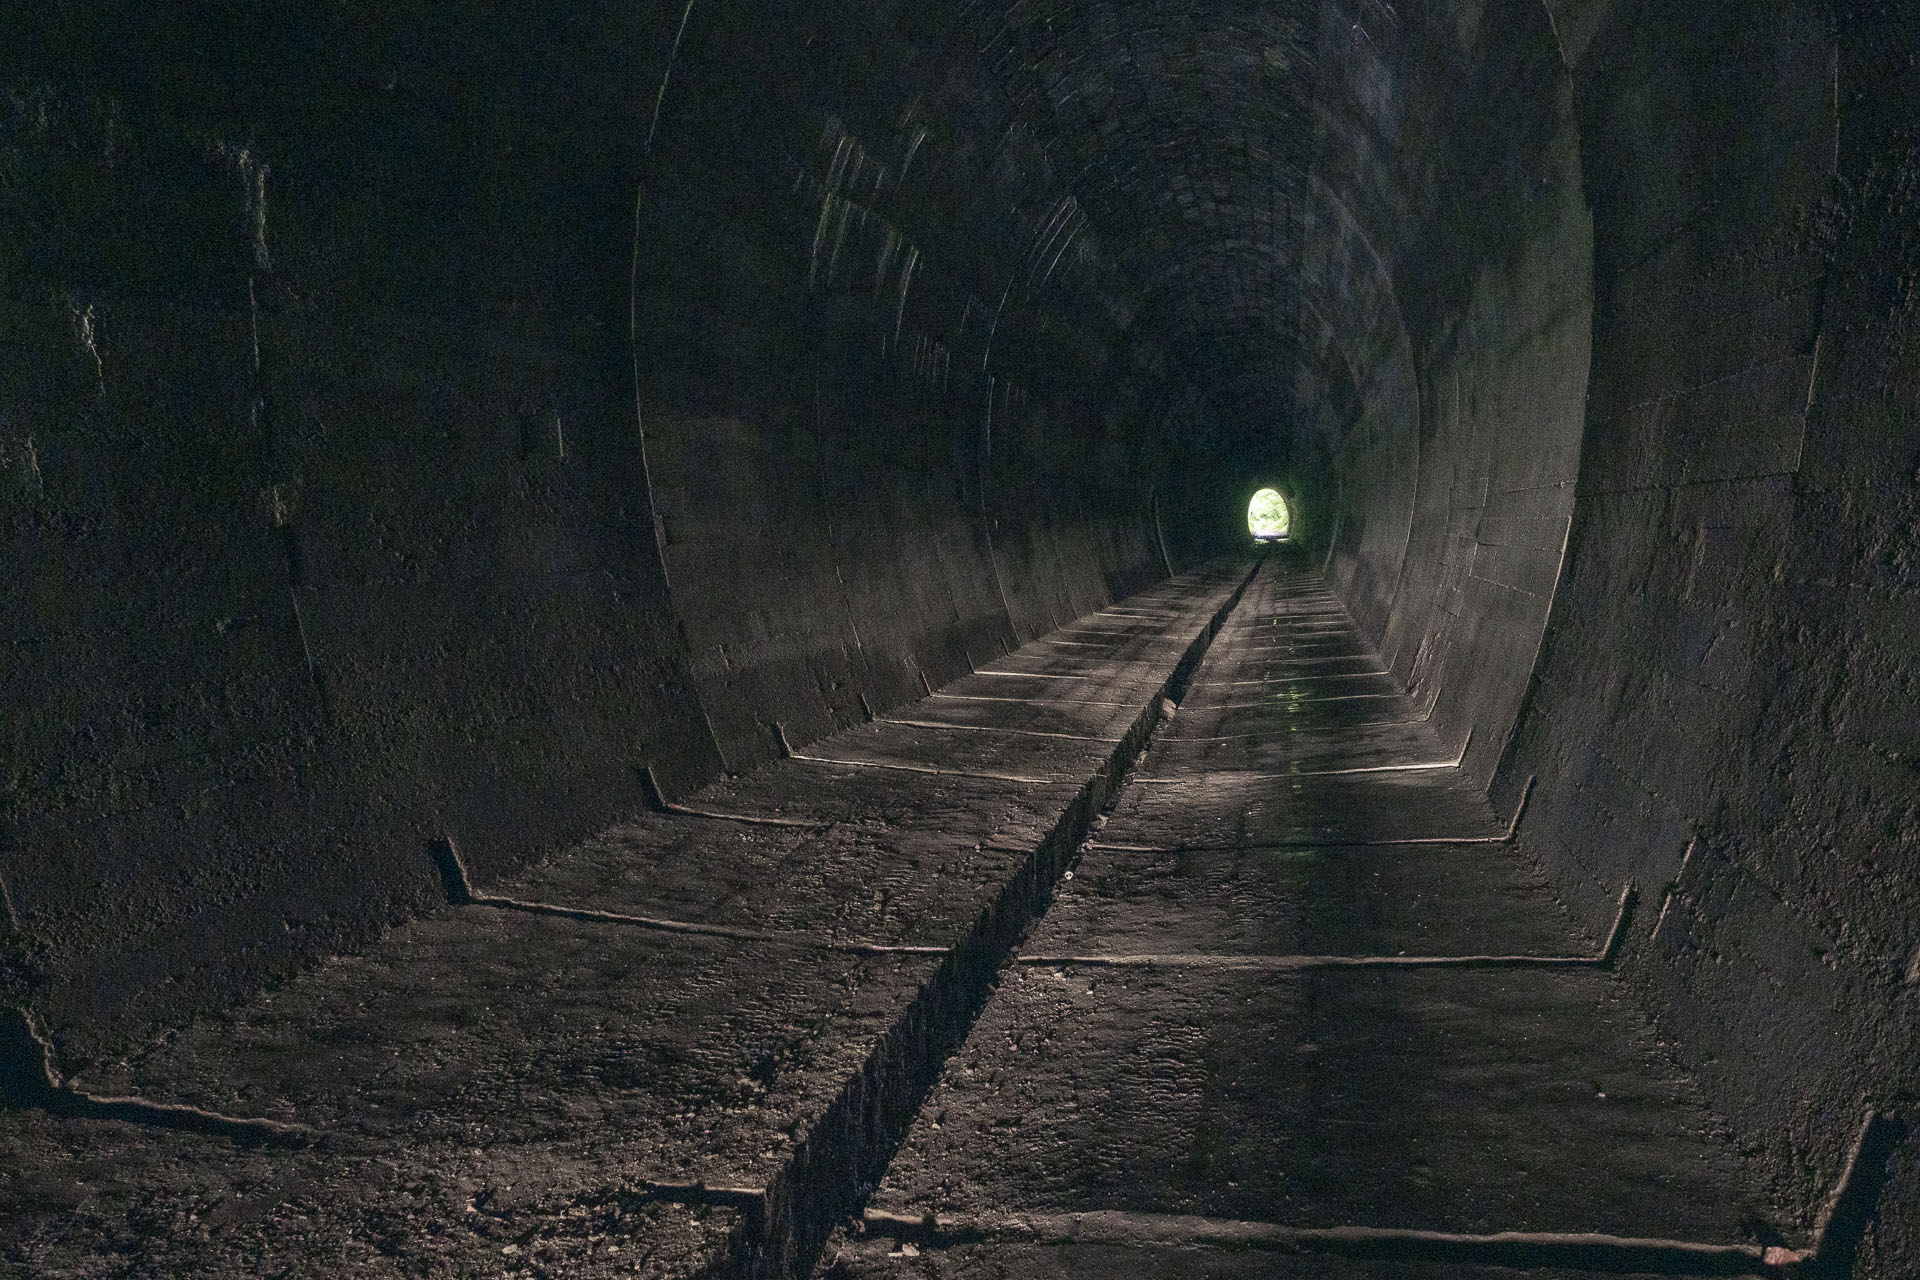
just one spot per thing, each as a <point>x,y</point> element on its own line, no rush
<point>1268,518</point>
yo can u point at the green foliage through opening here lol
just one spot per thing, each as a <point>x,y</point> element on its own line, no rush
<point>1267,516</point>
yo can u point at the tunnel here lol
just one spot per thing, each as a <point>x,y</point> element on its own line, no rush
<point>631,644</point>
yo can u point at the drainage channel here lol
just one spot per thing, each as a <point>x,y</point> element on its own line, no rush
<point>847,1151</point>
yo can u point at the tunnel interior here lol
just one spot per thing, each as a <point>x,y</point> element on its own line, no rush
<point>461,427</point>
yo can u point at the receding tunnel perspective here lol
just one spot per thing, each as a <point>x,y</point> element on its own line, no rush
<point>1267,516</point>
<point>629,644</point>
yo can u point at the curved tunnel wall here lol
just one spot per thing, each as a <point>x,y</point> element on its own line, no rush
<point>1680,350</point>
<point>378,467</point>
<point>886,376</point>
<point>1731,665</point>
<point>1447,283</point>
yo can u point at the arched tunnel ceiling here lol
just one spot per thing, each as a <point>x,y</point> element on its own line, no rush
<point>1278,181</point>
<point>1259,218</point>
<point>1186,134</point>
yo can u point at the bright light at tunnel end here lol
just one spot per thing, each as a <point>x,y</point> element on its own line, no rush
<point>1268,519</point>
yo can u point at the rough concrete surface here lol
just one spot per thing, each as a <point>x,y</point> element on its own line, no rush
<point>445,441</point>
<point>1210,1026</point>
<point>646,1036</point>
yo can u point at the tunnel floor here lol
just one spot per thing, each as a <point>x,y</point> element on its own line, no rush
<point>1170,943</point>
<point>1304,1006</point>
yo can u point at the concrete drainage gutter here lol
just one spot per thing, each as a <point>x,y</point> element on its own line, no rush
<point>840,1162</point>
